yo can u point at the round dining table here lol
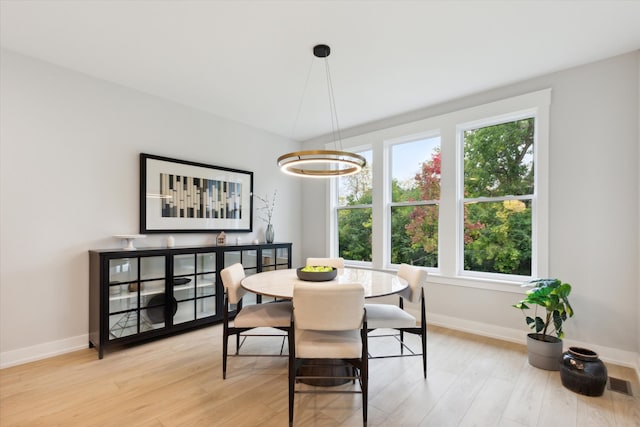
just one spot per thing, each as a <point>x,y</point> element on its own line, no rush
<point>280,283</point>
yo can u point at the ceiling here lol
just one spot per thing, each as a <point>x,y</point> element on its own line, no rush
<point>248,60</point>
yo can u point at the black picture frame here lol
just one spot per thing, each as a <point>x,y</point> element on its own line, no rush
<point>180,196</point>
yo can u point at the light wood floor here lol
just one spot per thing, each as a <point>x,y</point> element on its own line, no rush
<point>177,381</point>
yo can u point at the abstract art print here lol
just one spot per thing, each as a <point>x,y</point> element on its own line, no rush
<point>189,197</point>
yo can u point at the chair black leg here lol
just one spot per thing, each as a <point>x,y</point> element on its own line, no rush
<point>225,336</point>
<point>401,341</point>
<point>238,343</point>
<point>423,335</point>
<point>225,344</point>
<point>423,332</point>
<point>292,374</point>
<point>364,373</point>
<point>292,384</point>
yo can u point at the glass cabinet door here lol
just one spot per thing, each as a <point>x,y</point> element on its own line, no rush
<point>282,258</point>
<point>194,286</point>
<point>206,285</point>
<point>136,295</point>
<point>248,259</point>
<point>268,259</point>
<point>275,259</point>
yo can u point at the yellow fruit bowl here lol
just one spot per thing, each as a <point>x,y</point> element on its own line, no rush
<point>316,276</point>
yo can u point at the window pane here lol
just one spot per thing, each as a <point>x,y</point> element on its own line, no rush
<point>354,234</point>
<point>414,235</point>
<point>498,160</point>
<point>497,237</point>
<point>415,170</point>
<point>356,189</point>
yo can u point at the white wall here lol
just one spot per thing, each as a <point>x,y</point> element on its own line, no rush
<point>593,218</point>
<point>69,156</point>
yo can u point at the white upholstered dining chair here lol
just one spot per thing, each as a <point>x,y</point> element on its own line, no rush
<point>270,315</point>
<point>391,316</point>
<point>328,323</point>
<point>329,262</point>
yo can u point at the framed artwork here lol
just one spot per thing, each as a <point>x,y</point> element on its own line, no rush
<point>178,196</point>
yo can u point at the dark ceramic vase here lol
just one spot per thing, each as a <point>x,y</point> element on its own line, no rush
<point>583,372</point>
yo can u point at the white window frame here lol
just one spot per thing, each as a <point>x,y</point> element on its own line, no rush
<point>388,197</point>
<point>446,126</point>
<point>335,207</point>
<point>460,130</point>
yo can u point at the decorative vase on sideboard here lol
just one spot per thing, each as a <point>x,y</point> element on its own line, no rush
<point>583,372</point>
<point>268,235</point>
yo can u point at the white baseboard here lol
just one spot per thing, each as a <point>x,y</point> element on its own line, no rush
<point>615,356</point>
<point>43,351</point>
<point>607,354</point>
<point>477,328</point>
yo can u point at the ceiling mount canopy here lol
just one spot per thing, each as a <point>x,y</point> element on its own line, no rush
<point>323,163</point>
<point>321,51</point>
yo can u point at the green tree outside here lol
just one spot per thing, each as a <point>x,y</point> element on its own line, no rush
<point>355,224</point>
<point>498,162</point>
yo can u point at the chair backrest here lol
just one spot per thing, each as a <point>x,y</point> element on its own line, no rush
<point>329,262</point>
<point>231,278</point>
<point>416,277</point>
<point>328,306</point>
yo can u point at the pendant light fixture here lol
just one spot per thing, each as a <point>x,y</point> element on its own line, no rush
<point>323,163</point>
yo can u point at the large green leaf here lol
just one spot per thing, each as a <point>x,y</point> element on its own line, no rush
<point>552,302</point>
<point>558,326</point>
<point>539,324</point>
<point>557,320</point>
<point>569,309</point>
<point>564,290</point>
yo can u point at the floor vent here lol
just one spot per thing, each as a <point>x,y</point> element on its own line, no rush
<point>620,386</point>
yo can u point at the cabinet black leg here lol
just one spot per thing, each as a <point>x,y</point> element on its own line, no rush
<point>99,348</point>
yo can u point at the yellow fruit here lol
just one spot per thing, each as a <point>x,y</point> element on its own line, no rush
<point>316,269</point>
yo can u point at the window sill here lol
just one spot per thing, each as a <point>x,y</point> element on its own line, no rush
<point>511,286</point>
<point>514,287</point>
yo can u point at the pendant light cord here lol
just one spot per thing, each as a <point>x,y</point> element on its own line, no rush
<point>335,126</point>
<point>304,92</point>
<point>333,111</point>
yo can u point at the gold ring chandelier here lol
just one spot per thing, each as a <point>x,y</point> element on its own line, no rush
<point>323,163</point>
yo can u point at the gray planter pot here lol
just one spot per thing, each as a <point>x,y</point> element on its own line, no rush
<point>544,354</point>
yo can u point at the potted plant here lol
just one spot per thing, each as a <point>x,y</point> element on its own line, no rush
<point>545,350</point>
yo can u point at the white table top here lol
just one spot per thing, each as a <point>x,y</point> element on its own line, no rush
<point>279,283</point>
